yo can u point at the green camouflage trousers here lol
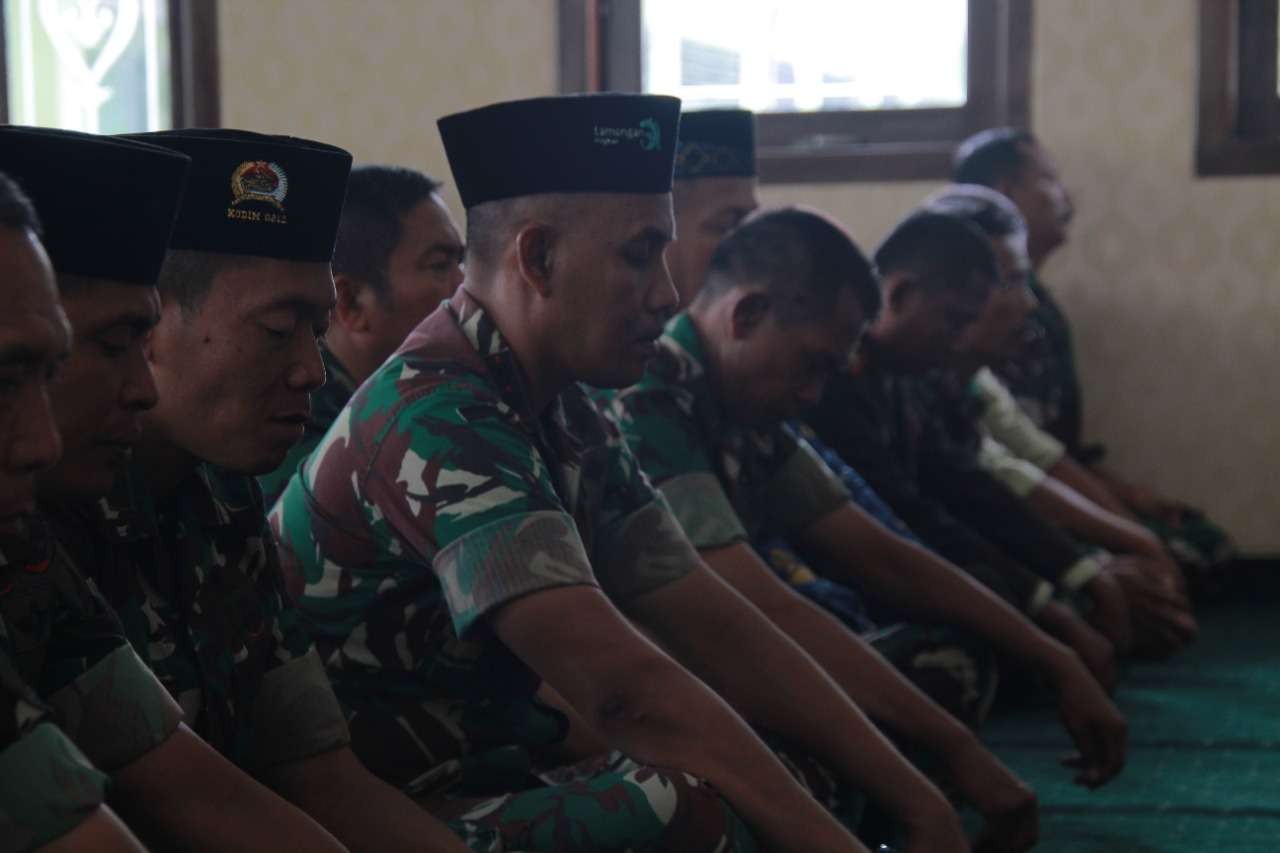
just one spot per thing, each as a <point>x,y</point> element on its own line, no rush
<point>607,804</point>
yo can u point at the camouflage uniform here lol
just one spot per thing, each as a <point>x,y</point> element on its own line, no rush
<point>438,496</point>
<point>64,657</point>
<point>1043,380</point>
<point>326,403</point>
<point>874,421</point>
<point>47,786</point>
<point>68,644</point>
<point>196,580</point>
<point>729,484</point>
<point>1043,375</point>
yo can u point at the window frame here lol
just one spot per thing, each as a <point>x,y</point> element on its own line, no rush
<point>1238,115</point>
<point>600,51</point>
<point>193,39</point>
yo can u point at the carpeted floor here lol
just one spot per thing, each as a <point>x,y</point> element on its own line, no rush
<point>1203,772</point>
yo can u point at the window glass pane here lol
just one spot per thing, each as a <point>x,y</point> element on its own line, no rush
<point>95,65</point>
<point>806,55</point>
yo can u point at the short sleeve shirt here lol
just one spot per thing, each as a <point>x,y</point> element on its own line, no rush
<point>196,580</point>
<point>725,483</point>
<point>1005,421</point>
<point>47,786</point>
<point>1042,378</point>
<point>437,496</point>
<point>68,644</point>
<point>1020,476</point>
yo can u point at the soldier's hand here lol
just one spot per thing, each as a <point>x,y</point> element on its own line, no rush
<point>1145,502</point>
<point>1011,814</point>
<point>935,828</point>
<point>1111,610</point>
<point>1091,648</point>
<point>1095,724</point>
<point>1162,619</point>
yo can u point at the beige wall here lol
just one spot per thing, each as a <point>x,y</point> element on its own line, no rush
<point>374,75</point>
<point>1173,283</point>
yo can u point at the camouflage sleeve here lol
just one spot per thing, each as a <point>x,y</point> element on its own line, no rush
<point>107,700</point>
<point>290,639</point>
<point>659,427</point>
<point>47,787</point>
<point>457,483</point>
<point>1018,474</point>
<point>803,489</point>
<point>117,711</point>
<point>296,714</point>
<point>1006,422</point>
<point>642,547</point>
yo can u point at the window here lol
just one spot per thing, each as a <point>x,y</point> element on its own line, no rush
<point>844,89</point>
<point>1238,126</point>
<point>109,66</point>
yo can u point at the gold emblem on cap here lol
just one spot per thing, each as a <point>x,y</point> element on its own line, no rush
<point>258,180</point>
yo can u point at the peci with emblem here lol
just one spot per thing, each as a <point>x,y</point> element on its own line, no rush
<point>275,205</point>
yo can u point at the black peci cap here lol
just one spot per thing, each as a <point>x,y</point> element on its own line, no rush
<point>254,194</point>
<point>604,143</point>
<point>107,205</point>
<point>716,144</point>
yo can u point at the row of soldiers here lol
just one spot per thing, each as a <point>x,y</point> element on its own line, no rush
<point>636,538</point>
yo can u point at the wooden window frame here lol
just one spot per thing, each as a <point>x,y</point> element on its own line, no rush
<point>193,39</point>
<point>1238,116</point>
<point>600,51</point>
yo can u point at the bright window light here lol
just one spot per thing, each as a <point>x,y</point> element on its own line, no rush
<point>806,55</point>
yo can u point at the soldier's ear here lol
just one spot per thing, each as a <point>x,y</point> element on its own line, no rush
<point>535,253</point>
<point>899,291</point>
<point>749,312</point>
<point>351,309</point>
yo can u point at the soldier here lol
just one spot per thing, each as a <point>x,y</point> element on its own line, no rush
<point>1152,582</point>
<point>937,272</point>
<point>1042,375</point>
<point>397,256</point>
<point>785,300</point>
<point>51,796</point>
<point>106,243</point>
<point>458,523</point>
<point>713,191</point>
<point>180,546</point>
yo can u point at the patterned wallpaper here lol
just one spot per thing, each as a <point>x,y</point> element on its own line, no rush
<point>1173,282</point>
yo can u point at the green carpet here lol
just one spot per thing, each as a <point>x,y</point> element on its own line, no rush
<point>1203,771</point>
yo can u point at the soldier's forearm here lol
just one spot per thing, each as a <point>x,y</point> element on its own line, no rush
<point>771,681</point>
<point>921,584</point>
<point>692,728</point>
<point>869,680</point>
<point>1075,475</point>
<point>361,810</point>
<point>190,798</point>
<point>859,670</point>
<point>1073,511</point>
<point>652,709</point>
<point>100,831</point>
